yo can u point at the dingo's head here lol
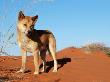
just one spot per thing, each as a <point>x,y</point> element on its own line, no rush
<point>26,23</point>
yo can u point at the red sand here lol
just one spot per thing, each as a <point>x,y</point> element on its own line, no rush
<point>73,66</point>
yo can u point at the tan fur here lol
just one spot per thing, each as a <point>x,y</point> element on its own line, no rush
<point>34,41</point>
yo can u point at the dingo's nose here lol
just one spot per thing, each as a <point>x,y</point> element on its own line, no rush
<point>29,32</point>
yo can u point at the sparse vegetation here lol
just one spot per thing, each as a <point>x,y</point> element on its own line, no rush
<point>96,47</point>
<point>7,41</point>
<point>108,53</point>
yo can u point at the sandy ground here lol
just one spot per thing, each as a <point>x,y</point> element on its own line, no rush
<point>73,66</point>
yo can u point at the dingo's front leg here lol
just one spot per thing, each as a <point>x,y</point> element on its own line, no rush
<point>36,61</point>
<point>22,70</point>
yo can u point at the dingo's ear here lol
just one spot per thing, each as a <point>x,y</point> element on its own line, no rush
<point>35,18</point>
<point>21,15</point>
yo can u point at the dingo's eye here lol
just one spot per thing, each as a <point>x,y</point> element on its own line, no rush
<point>25,25</point>
<point>32,26</point>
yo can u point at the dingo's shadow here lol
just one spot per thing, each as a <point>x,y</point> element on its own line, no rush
<point>61,62</point>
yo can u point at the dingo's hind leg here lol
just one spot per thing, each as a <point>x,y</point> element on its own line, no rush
<point>43,57</point>
<point>52,49</point>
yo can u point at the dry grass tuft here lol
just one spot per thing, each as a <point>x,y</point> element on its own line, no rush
<point>88,48</point>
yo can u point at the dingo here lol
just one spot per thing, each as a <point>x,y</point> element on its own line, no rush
<point>34,41</point>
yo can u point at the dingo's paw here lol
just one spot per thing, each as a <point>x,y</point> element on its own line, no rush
<point>55,70</point>
<point>36,73</point>
<point>20,71</point>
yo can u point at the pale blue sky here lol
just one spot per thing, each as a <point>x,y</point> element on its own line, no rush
<point>73,22</point>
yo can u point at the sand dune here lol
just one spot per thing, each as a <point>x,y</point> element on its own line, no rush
<point>73,66</point>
